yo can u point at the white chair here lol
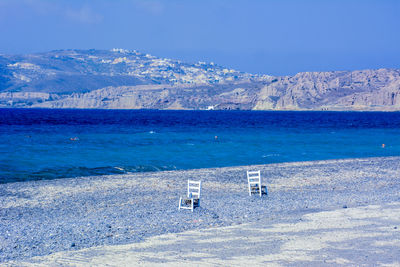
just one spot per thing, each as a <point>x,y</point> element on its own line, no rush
<point>193,196</point>
<point>254,182</point>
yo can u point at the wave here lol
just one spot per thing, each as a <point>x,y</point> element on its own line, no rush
<point>71,172</point>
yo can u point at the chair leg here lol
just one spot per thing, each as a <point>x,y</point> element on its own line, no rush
<point>180,202</point>
<point>264,190</point>
<point>192,205</point>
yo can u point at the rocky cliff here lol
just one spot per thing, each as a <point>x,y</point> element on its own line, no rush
<point>121,79</point>
<point>341,90</point>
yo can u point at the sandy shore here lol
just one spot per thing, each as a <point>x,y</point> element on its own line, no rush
<point>322,212</point>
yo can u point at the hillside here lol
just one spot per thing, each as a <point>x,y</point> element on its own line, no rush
<point>122,79</point>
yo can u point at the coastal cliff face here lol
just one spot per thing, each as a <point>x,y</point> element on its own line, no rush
<point>341,90</point>
<point>121,79</point>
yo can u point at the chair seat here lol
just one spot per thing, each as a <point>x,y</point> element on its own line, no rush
<point>256,190</point>
<point>188,201</point>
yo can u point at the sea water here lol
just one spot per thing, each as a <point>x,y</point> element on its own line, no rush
<point>53,143</point>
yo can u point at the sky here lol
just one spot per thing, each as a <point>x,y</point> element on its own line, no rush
<point>275,37</point>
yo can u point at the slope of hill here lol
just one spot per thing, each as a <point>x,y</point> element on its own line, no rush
<point>123,79</point>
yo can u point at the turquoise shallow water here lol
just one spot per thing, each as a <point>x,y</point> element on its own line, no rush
<point>46,144</point>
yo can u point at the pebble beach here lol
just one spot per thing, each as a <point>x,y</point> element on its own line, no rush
<point>128,219</point>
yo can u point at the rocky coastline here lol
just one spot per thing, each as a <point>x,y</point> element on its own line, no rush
<point>123,79</point>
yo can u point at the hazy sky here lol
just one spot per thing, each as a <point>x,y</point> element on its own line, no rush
<point>276,37</point>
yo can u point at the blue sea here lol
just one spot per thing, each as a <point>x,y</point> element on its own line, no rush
<point>51,143</point>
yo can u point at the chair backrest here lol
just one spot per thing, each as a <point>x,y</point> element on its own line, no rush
<point>253,177</point>
<point>194,189</point>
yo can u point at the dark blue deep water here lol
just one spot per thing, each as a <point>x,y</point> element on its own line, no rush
<point>47,143</point>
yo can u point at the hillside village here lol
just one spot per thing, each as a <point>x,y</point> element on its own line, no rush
<point>124,79</point>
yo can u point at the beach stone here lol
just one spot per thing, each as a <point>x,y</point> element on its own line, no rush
<point>52,215</point>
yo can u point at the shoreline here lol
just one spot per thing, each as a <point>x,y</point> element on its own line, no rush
<point>39,218</point>
<point>220,110</point>
<point>320,161</point>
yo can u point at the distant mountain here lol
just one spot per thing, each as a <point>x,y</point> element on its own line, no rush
<point>122,79</point>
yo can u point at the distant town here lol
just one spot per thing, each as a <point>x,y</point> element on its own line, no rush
<point>124,79</point>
